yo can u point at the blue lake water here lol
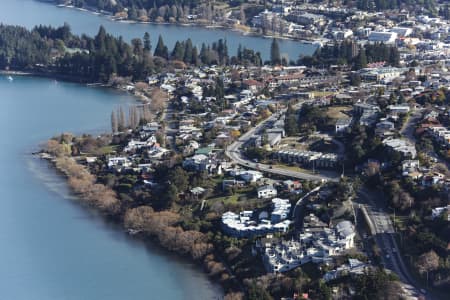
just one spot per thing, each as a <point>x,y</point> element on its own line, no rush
<point>50,246</point>
<point>30,13</point>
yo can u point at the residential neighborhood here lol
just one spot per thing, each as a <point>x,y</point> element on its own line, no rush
<point>323,176</point>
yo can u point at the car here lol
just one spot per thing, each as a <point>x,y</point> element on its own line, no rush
<point>423,291</point>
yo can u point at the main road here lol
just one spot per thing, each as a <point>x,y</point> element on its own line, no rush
<point>384,234</point>
<point>234,152</point>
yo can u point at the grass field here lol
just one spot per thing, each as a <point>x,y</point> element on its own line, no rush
<point>318,94</point>
<point>337,112</point>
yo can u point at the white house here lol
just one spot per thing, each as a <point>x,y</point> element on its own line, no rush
<point>266,191</point>
<point>250,176</point>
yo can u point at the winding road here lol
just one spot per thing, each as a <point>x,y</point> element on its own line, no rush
<point>234,152</point>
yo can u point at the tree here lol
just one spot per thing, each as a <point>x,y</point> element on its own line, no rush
<point>188,51</point>
<point>161,49</point>
<point>114,125</point>
<point>355,79</point>
<point>147,42</point>
<point>178,51</point>
<point>361,60</point>
<point>428,261</point>
<point>180,178</point>
<point>275,56</point>
<point>133,117</point>
<point>121,123</point>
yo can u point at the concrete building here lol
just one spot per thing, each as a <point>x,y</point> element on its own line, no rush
<point>316,244</point>
<point>382,37</point>
<point>247,225</point>
<point>404,147</point>
<point>308,158</point>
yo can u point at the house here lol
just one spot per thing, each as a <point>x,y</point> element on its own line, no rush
<point>198,162</point>
<point>197,191</point>
<point>266,191</point>
<point>410,168</point>
<point>384,127</point>
<point>291,185</point>
<point>342,124</point>
<point>438,211</point>
<point>250,175</point>
<point>432,179</point>
<point>246,224</point>
<point>404,147</point>
<point>118,162</point>
<point>399,109</point>
<point>382,37</point>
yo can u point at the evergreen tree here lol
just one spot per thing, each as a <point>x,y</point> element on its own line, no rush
<point>275,56</point>
<point>161,49</point>
<point>239,53</point>
<point>147,42</point>
<point>178,51</point>
<point>194,60</point>
<point>100,40</point>
<point>188,52</point>
<point>361,59</point>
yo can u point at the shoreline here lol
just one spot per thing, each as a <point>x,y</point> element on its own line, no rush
<point>74,79</point>
<point>242,32</point>
<point>118,219</point>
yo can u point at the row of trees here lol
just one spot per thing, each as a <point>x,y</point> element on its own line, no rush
<point>348,52</point>
<point>100,58</point>
<point>378,5</point>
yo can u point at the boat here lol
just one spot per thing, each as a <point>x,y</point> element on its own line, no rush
<point>10,78</point>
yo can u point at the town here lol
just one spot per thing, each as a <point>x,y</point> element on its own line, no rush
<point>312,177</point>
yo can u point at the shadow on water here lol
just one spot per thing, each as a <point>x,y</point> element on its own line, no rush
<point>54,182</point>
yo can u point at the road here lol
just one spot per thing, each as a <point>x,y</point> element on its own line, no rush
<point>384,235</point>
<point>234,152</point>
<point>408,132</point>
<point>409,127</point>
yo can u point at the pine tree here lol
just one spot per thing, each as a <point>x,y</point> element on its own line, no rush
<point>361,59</point>
<point>178,51</point>
<point>194,60</point>
<point>100,39</point>
<point>275,56</point>
<point>161,49</point>
<point>188,52</point>
<point>147,42</point>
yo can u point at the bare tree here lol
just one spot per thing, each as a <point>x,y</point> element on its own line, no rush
<point>133,117</point>
<point>159,98</point>
<point>121,120</point>
<point>114,125</point>
<point>146,115</point>
<point>428,261</point>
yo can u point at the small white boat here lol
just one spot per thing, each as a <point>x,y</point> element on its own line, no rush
<point>10,78</point>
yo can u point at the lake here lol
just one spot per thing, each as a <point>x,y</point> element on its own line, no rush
<point>30,13</point>
<point>52,247</point>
